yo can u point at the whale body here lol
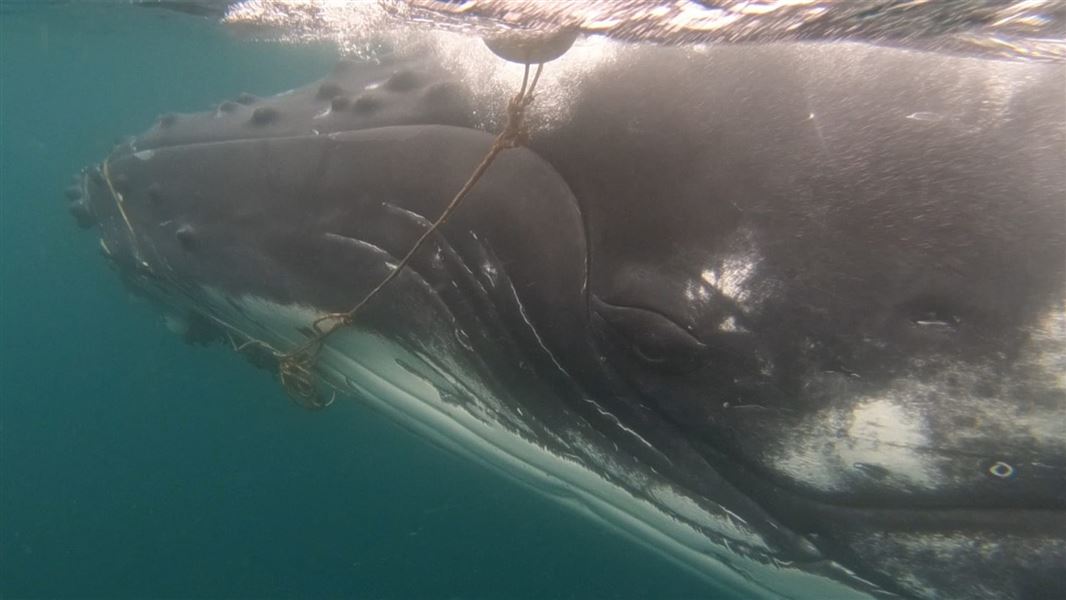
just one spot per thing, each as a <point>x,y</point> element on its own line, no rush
<point>792,315</point>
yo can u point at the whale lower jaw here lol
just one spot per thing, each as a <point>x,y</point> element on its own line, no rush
<point>388,377</point>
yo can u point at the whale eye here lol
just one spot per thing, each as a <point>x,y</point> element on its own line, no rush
<point>651,336</point>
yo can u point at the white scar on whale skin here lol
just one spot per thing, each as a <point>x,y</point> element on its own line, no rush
<point>658,516</point>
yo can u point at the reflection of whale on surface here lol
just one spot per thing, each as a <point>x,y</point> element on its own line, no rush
<point>791,315</point>
<point>1015,29</point>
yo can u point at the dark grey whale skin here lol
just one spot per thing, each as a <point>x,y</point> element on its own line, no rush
<point>731,252</point>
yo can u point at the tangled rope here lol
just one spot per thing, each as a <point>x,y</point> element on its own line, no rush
<point>296,367</point>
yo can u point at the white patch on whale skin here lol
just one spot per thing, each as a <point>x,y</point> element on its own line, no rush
<point>657,515</point>
<point>731,276</point>
<point>1047,348</point>
<point>913,431</point>
<point>878,431</point>
<point>886,435</point>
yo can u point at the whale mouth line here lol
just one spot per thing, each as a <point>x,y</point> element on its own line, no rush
<point>151,153</point>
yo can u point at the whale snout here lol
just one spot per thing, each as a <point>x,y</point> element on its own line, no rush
<point>93,202</point>
<point>78,200</point>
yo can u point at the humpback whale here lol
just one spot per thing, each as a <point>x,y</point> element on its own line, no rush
<point>791,315</point>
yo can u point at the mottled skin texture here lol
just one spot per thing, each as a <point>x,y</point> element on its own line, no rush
<point>823,284</point>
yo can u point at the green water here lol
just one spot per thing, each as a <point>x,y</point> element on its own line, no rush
<point>132,465</point>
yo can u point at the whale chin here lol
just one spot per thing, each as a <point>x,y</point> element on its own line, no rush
<point>429,390</point>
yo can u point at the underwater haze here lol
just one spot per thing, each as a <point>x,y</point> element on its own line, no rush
<point>132,466</point>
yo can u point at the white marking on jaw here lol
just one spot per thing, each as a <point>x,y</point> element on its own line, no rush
<point>390,261</point>
<point>536,334</point>
<point>728,523</point>
<point>618,423</point>
<point>417,218</point>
